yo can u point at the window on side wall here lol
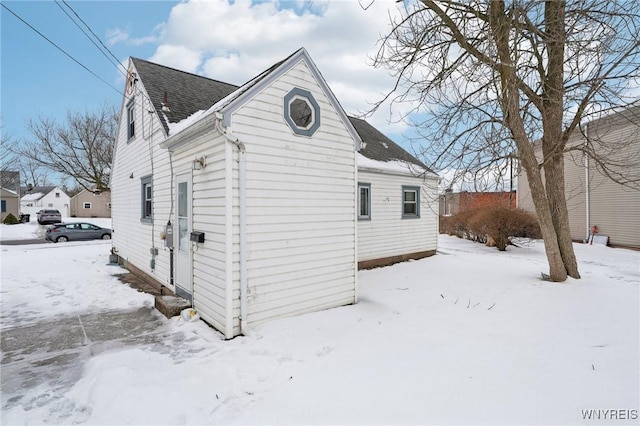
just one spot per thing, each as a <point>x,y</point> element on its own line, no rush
<point>86,205</point>
<point>410,201</point>
<point>131,120</point>
<point>364,201</point>
<point>3,205</point>
<point>146,199</point>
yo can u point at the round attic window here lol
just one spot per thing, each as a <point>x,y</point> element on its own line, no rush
<point>301,112</point>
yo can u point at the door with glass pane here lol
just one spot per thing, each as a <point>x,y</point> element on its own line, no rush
<point>184,274</point>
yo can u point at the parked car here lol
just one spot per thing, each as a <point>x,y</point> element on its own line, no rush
<point>63,232</point>
<point>49,216</point>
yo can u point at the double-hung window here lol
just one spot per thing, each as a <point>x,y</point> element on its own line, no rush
<point>146,199</point>
<point>410,201</point>
<point>131,120</point>
<point>86,205</point>
<point>364,201</point>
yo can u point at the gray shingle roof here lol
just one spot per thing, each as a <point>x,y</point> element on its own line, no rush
<point>24,190</point>
<point>189,93</point>
<point>381,148</point>
<point>186,93</point>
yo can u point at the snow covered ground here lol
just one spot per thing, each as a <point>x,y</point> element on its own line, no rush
<point>469,336</point>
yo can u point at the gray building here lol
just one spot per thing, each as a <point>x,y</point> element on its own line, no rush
<point>593,199</point>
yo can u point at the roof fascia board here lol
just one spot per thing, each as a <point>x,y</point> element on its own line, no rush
<point>408,173</point>
<point>300,55</point>
<point>191,133</point>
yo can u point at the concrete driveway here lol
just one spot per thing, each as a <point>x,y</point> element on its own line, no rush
<point>50,354</point>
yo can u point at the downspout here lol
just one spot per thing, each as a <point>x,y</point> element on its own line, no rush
<point>233,139</point>
<point>586,186</point>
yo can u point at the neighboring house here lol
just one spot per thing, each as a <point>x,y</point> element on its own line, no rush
<point>33,199</point>
<point>245,200</point>
<point>592,198</point>
<point>10,203</point>
<point>452,203</point>
<point>91,204</point>
<point>10,180</point>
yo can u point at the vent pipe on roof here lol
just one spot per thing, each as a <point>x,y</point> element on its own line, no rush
<point>165,103</point>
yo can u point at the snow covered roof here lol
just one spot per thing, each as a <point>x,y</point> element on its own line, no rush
<point>10,192</point>
<point>32,196</point>
<point>186,93</point>
<point>191,98</point>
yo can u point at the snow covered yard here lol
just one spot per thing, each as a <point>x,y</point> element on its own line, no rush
<point>470,336</point>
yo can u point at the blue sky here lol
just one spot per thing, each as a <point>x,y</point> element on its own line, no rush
<point>39,80</point>
<point>228,41</point>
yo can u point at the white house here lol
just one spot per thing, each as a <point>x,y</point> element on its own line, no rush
<point>245,200</point>
<point>36,198</point>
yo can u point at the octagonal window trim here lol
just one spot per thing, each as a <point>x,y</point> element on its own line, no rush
<point>298,94</point>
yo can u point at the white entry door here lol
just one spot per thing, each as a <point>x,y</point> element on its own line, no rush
<point>184,272</point>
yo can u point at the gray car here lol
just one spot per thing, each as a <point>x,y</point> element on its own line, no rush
<point>49,216</point>
<point>63,232</point>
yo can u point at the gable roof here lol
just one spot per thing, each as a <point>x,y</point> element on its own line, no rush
<point>6,192</point>
<point>43,190</point>
<point>380,148</point>
<point>187,93</point>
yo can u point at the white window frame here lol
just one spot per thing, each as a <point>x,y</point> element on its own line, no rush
<point>85,204</point>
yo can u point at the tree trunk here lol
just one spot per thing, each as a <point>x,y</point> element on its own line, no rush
<point>554,179</point>
<point>553,143</point>
<point>557,269</point>
<point>511,110</point>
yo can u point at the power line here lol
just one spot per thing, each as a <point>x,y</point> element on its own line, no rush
<point>59,48</point>
<point>117,61</point>
<point>87,36</point>
<point>120,92</point>
<point>118,65</point>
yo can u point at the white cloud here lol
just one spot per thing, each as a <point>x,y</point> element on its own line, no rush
<point>118,35</point>
<point>235,42</point>
<point>178,56</point>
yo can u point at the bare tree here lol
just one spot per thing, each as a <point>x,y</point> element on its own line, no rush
<point>80,149</point>
<point>493,80</point>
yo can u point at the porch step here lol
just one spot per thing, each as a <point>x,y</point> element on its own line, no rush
<point>170,305</point>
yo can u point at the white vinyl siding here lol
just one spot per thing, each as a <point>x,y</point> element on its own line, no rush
<point>301,205</point>
<point>133,239</point>
<point>208,216</point>
<point>364,201</point>
<point>387,233</point>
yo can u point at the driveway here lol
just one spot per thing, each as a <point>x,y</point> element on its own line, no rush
<point>50,354</point>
